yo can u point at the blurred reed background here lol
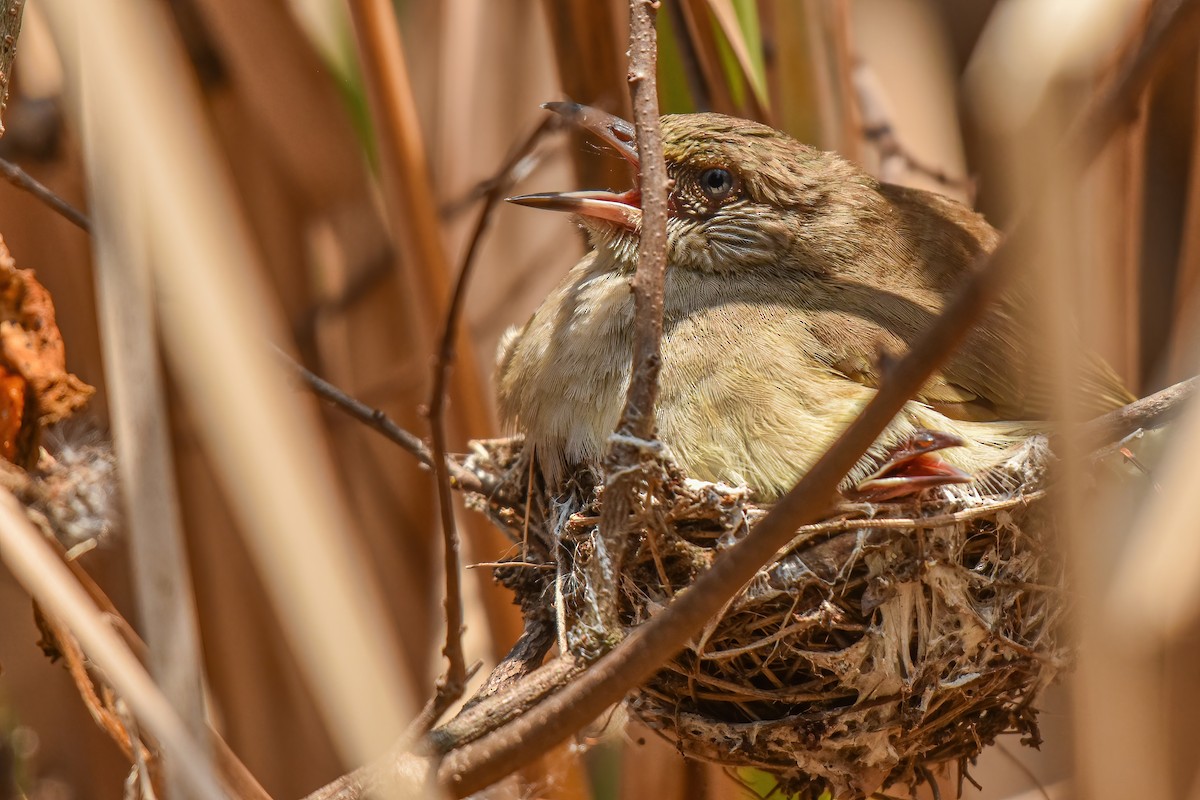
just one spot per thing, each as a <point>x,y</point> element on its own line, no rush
<point>332,179</point>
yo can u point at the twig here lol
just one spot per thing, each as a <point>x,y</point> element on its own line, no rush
<point>648,646</point>
<point>1147,412</point>
<point>23,180</point>
<point>374,418</point>
<point>637,418</point>
<point>470,724</point>
<point>839,21</point>
<point>505,705</point>
<point>877,128</point>
<point>450,686</point>
<point>10,30</point>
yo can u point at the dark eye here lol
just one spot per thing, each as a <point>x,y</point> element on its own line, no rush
<point>716,183</point>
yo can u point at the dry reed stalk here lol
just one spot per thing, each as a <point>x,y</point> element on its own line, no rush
<point>792,68</point>
<point>758,101</point>
<point>843,44</point>
<point>141,429</point>
<point>1187,293</point>
<point>304,178</point>
<point>1111,202</point>
<point>30,558</point>
<point>316,145</point>
<point>258,690</point>
<point>411,200</point>
<point>1117,706</point>
<point>820,25</point>
<point>215,333</point>
<point>697,29</point>
<point>411,197</point>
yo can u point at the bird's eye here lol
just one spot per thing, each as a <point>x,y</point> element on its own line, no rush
<point>716,183</point>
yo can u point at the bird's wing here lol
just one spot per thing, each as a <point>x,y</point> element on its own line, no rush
<point>993,374</point>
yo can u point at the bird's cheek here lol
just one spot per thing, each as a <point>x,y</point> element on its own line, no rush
<point>775,231</point>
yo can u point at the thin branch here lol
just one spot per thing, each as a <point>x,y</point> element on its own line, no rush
<point>1148,412</point>
<point>638,416</point>
<point>453,683</point>
<point>645,649</point>
<point>374,418</point>
<point>23,180</point>
<point>629,446</point>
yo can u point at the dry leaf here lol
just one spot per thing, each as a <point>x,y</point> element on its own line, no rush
<point>33,360</point>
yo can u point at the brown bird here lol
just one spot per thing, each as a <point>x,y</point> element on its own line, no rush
<point>790,271</point>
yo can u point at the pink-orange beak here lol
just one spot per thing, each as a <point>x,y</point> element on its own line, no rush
<point>624,208</point>
<point>911,468</point>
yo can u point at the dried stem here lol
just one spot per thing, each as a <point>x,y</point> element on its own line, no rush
<point>1148,412</point>
<point>646,648</point>
<point>38,569</point>
<point>23,180</point>
<point>453,683</point>
<point>638,416</point>
<point>10,29</point>
<point>460,477</point>
<point>632,443</point>
<point>408,188</point>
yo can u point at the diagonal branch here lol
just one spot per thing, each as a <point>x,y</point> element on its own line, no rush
<point>374,418</point>
<point>23,180</point>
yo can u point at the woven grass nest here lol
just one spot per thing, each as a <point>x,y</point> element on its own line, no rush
<point>882,643</point>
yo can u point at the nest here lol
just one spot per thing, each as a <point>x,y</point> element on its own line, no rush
<point>882,644</point>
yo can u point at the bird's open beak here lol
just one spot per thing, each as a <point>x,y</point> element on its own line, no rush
<point>911,468</point>
<point>624,208</point>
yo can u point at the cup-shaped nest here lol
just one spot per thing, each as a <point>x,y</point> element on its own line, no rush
<point>882,643</point>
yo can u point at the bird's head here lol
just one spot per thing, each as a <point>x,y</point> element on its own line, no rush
<point>742,195</point>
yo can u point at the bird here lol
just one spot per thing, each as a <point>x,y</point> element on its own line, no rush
<point>792,274</point>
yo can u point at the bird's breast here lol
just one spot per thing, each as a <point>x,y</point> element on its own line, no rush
<point>747,393</point>
<point>562,380</point>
